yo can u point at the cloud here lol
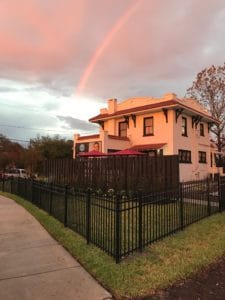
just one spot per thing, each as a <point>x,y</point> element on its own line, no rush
<point>78,124</point>
<point>52,50</point>
<point>19,124</point>
<point>7,89</point>
<point>163,42</point>
<point>47,45</point>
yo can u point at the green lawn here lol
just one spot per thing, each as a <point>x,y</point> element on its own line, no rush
<point>158,220</point>
<point>160,265</point>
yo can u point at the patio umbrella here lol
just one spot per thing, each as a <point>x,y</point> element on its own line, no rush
<point>92,153</point>
<point>127,152</point>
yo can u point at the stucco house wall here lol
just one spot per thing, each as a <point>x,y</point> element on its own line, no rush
<point>163,131</point>
<point>192,142</point>
<point>167,130</point>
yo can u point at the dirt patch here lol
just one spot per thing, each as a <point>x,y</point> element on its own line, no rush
<point>208,284</point>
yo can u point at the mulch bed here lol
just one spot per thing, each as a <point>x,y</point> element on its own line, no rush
<point>208,284</point>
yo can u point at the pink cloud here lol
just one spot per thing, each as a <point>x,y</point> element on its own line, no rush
<point>163,41</point>
<point>39,35</point>
<point>36,38</point>
<point>55,39</point>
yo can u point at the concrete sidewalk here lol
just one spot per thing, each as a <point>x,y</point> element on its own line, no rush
<point>34,266</point>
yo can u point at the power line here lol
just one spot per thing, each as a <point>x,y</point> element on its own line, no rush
<point>41,129</point>
<point>34,109</point>
<point>17,141</point>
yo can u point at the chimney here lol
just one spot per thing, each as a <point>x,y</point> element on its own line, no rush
<point>112,106</point>
<point>169,96</point>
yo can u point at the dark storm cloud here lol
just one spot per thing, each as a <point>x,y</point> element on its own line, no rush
<point>77,124</point>
<point>23,124</point>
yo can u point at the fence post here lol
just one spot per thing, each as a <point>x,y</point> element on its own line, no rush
<point>208,196</point>
<point>18,189</point>
<point>31,198</point>
<point>88,215</point>
<point>50,200</point>
<point>3,184</point>
<point>39,194</point>
<point>17,186</point>
<point>140,198</point>
<point>118,228</point>
<point>65,206</point>
<point>25,190</point>
<point>11,185</point>
<point>219,194</point>
<point>181,206</point>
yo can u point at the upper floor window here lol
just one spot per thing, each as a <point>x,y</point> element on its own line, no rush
<point>122,129</point>
<point>148,126</point>
<point>184,126</point>
<point>184,156</point>
<point>202,130</point>
<point>202,157</point>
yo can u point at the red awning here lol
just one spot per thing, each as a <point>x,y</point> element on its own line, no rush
<point>148,147</point>
<point>92,153</point>
<point>127,152</point>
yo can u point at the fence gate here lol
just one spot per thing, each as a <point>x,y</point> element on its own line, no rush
<point>222,192</point>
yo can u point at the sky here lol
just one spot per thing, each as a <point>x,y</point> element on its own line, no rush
<point>60,60</point>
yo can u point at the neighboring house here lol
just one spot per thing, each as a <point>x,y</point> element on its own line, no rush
<point>157,126</point>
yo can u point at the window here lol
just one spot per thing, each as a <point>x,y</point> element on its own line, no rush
<point>184,126</point>
<point>184,156</point>
<point>122,129</point>
<point>202,157</point>
<point>148,126</point>
<point>202,129</point>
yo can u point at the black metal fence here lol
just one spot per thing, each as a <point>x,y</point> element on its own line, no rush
<point>121,223</point>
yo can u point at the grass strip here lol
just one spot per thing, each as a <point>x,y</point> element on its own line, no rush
<point>161,264</point>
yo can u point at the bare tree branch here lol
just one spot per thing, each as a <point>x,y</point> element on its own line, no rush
<point>209,90</point>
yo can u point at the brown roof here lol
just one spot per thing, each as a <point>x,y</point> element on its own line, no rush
<point>148,146</point>
<point>93,136</point>
<point>152,106</point>
<point>133,110</point>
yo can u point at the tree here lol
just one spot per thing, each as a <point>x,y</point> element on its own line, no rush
<point>209,90</point>
<point>52,147</point>
<point>46,147</point>
<point>11,154</point>
<point>40,148</point>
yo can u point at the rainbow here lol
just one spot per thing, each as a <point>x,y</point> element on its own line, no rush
<point>106,41</point>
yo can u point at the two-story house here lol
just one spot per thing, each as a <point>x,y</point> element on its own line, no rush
<point>156,126</point>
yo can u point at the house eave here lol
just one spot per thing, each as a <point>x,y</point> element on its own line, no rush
<point>171,104</point>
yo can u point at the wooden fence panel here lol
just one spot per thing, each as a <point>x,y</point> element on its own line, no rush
<point>119,172</point>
